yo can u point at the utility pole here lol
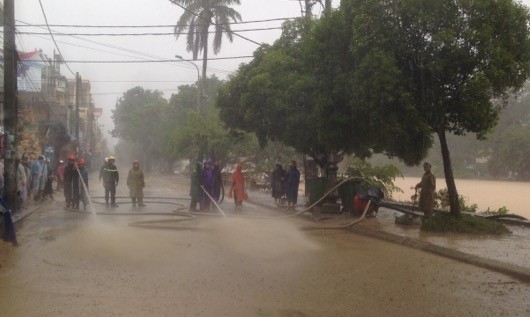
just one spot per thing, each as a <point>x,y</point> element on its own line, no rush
<point>77,101</point>
<point>327,5</point>
<point>10,104</point>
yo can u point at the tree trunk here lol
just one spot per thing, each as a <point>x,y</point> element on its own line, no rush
<point>202,91</point>
<point>449,178</point>
<point>331,173</point>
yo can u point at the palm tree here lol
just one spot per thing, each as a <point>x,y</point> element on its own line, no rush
<point>197,18</point>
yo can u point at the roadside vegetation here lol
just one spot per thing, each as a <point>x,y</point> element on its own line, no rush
<point>466,222</point>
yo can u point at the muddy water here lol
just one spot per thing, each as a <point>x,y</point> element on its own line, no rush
<point>486,194</point>
<point>69,265</point>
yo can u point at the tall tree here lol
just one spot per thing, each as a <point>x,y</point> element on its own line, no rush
<point>450,58</point>
<point>197,18</point>
<point>299,92</point>
<point>139,116</point>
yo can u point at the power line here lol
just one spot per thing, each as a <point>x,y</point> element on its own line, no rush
<point>133,81</point>
<point>53,38</point>
<point>143,34</point>
<point>216,24</point>
<point>125,50</point>
<point>152,61</point>
<point>147,26</point>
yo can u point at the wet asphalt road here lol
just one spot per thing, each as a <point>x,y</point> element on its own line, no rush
<point>74,264</point>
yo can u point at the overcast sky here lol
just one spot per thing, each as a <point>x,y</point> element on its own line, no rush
<point>110,81</point>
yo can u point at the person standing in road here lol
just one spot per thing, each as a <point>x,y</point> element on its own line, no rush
<point>111,178</point>
<point>428,187</point>
<point>83,189</point>
<point>195,187</point>
<point>71,183</point>
<point>207,184</point>
<point>277,180</point>
<point>217,180</point>
<point>39,174</point>
<point>292,181</point>
<point>238,186</point>
<point>48,184</point>
<point>136,183</point>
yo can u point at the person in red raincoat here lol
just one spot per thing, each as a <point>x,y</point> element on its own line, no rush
<point>238,186</point>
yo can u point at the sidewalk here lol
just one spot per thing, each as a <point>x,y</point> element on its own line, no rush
<point>506,254</point>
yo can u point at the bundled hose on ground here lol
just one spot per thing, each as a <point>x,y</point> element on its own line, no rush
<point>318,201</point>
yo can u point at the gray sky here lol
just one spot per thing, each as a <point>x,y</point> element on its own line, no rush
<point>109,81</point>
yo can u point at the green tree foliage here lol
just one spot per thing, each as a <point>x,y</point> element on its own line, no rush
<point>382,176</point>
<point>442,62</point>
<point>299,92</point>
<point>137,118</point>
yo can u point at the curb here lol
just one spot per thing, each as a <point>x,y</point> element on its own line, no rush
<point>516,271</point>
<point>22,215</point>
<point>512,270</point>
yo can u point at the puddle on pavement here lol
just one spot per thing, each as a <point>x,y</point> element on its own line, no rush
<point>513,248</point>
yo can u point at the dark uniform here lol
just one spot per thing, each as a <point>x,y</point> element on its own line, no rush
<point>110,181</point>
<point>71,184</point>
<point>428,187</point>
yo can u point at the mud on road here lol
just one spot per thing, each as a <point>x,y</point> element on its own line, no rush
<point>69,264</point>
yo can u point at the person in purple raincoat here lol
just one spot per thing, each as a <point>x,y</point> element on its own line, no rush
<point>208,184</point>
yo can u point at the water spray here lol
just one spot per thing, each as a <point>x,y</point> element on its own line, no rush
<point>213,200</point>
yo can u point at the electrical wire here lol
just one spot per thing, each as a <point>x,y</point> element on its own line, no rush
<point>216,24</point>
<point>151,26</point>
<point>53,38</point>
<point>177,63</point>
<point>32,82</point>
<point>151,61</point>
<point>144,34</point>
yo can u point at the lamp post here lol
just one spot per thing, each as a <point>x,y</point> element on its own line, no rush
<point>199,86</point>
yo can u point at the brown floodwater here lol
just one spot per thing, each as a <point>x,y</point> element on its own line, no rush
<point>515,196</point>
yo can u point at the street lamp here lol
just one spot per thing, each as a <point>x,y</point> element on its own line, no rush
<point>199,89</point>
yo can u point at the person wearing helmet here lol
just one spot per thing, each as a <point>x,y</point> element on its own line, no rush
<point>83,196</point>
<point>111,178</point>
<point>71,183</point>
<point>136,183</point>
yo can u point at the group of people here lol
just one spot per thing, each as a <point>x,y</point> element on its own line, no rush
<point>206,185</point>
<point>74,182</point>
<point>285,183</point>
<point>111,177</point>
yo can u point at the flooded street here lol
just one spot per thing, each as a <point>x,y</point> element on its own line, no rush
<point>485,193</point>
<point>69,264</point>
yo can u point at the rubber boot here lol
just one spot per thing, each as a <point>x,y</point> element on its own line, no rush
<point>141,202</point>
<point>133,201</point>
